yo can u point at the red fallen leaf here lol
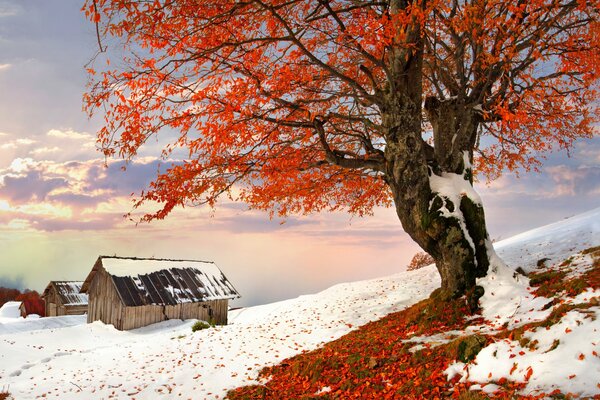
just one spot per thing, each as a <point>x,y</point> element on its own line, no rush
<point>594,353</point>
<point>521,353</point>
<point>572,376</point>
<point>514,368</point>
<point>581,356</point>
<point>568,330</point>
<point>528,373</point>
<point>512,356</point>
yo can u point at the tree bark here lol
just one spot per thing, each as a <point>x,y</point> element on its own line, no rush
<point>448,224</point>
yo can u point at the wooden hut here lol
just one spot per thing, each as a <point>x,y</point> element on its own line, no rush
<point>133,292</point>
<point>23,311</point>
<point>64,298</point>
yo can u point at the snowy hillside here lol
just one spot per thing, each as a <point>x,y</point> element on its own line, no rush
<point>67,359</point>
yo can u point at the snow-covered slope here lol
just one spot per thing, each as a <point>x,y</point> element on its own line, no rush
<point>167,360</point>
<point>555,241</point>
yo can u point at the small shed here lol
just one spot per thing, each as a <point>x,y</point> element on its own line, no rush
<point>32,307</point>
<point>64,298</point>
<point>23,310</point>
<point>130,292</point>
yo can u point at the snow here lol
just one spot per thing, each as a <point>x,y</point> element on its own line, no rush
<point>555,241</point>
<point>572,367</point>
<point>133,267</point>
<point>33,323</point>
<point>69,291</point>
<point>566,354</point>
<point>453,187</point>
<point>65,358</point>
<point>167,359</point>
<point>10,310</point>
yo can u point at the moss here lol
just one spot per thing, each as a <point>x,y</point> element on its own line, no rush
<point>591,250</point>
<point>537,278</point>
<point>469,347</point>
<point>555,344</point>
<point>541,263</point>
<point>472,395</point>
<point>200,325</point>
<point>475,222</point>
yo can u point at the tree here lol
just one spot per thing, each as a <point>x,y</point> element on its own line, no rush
<point>33,302</point>
<point>419,261</point>
<point>310,105</point>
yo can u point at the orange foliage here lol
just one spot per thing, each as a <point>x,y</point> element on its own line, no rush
<point>420,260</point>
<point>375,362</point>
<point>284,100</point>
<point>8,294</point>
<point>33,303</point>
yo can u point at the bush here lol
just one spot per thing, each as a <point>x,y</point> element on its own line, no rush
<point>420,260</point>
<point>200,325</point>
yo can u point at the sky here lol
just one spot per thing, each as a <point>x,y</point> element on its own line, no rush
<point>61,206</point>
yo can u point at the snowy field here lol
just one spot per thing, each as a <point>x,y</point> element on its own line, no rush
<point>64,358</point>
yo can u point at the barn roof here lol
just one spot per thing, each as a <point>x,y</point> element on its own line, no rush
<point>69,292</point>
<point>144,281</point>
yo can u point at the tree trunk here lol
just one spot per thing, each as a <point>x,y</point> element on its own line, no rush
<point>435,199</point>
<point>447,224</point>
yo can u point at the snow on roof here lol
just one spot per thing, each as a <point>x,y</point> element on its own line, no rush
<point>143,281</point>
<point>69,291</point>
<point>121,266</point>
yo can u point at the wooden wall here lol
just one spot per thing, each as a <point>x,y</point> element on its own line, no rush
<point>55,307</point>
<point>50,302</point>
<point>75,310</point>
<point>136,317</point>
<point>105,305</point>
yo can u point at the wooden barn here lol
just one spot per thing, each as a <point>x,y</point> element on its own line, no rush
<point>133,292</point>
<point>64,298</point>
<point>32,307</point>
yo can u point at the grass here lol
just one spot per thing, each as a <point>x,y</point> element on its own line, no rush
<point>200,325</point>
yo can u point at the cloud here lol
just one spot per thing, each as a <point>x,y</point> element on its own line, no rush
<point>30,187</point>
<point>69,134</point>
<point>95,224</point>
<point>573,181</point>
<point>590,154</point>
<point>12,283</point>
<point>44,150</point>
<point>258,222</point>
<point>13,144</point>
<point>49,195</point>
<point>9,10</point>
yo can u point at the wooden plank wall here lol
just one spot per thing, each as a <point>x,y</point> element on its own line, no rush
<point>50,302</point>
<point>75,310</point>
<point>104,303</point>
<point>136,317</point>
